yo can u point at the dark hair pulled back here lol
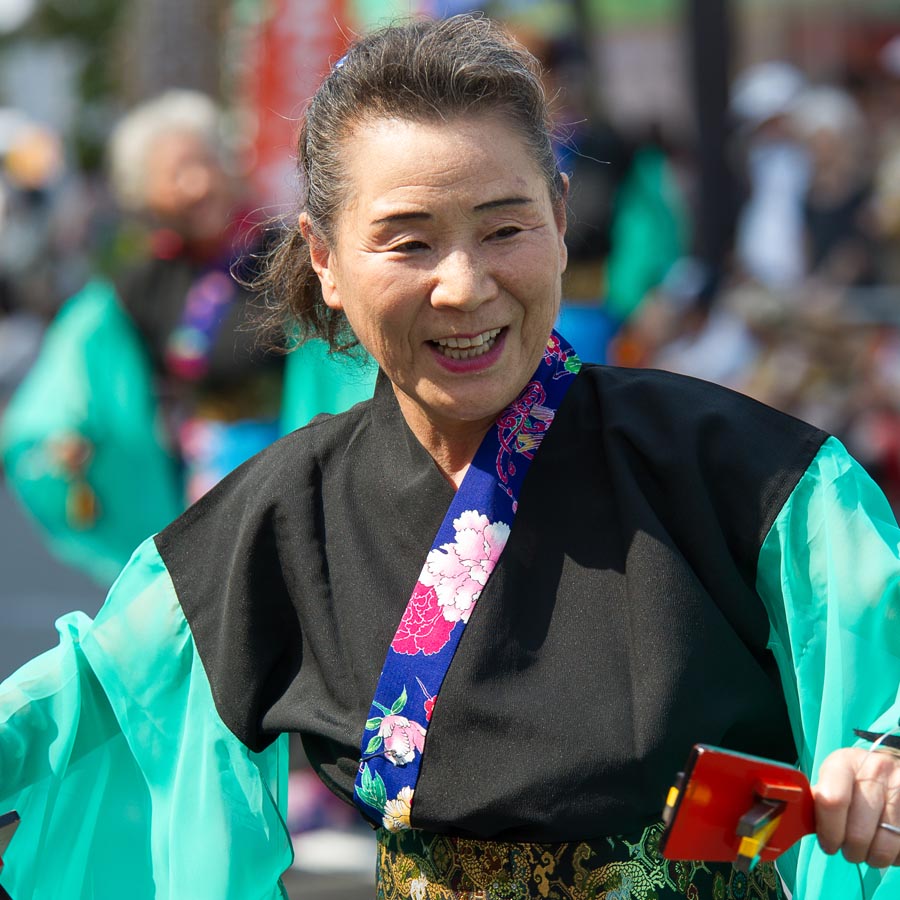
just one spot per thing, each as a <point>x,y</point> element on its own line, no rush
<point>420,71</point>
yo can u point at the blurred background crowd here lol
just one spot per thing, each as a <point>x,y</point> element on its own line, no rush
<point>734,215</point>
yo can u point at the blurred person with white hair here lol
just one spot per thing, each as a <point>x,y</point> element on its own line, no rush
<point>151,387</point>
<point>221,392</point>
<point>770,232</point>
<point>168,158</point>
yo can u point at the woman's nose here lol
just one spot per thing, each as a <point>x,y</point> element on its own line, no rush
<point>463,281</point>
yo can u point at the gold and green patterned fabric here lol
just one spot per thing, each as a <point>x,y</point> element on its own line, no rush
<point>418,865</point>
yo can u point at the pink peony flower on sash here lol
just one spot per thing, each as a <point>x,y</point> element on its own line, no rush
<point>423,628</point>
<point>402,739</point>
<point>459,571</point>
<point>450,584</point>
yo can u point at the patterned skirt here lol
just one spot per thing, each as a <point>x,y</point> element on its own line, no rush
<point>417,865</point>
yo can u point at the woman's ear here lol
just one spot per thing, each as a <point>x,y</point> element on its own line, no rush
<point>559,214</point>
<point>559,210</point>
<point>321,258</point>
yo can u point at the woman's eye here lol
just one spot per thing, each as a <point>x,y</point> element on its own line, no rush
<point>506,232</point>
<point>409,246</point>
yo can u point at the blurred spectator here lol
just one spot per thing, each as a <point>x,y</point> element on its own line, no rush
<point>595,157</point>
<point>884,115</point>
<point>681,329</point>
<point>221,393</point>
<point>30,168</point>
<point>838,222</point>
<point>148,390</point>
<point>770,230</point>
<point>886,199</point>
<point>649,233</point>
<point>627,221</point>
<point>157,371</point>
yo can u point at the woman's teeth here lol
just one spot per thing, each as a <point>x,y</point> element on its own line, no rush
<point>468,347</point>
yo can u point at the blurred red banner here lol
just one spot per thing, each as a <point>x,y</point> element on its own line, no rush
<point>293,48</point>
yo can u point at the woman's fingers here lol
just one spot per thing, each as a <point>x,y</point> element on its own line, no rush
<point>833,794</point>
<point>885,848</point>
<point>865,814</point>
<point>856,793</point>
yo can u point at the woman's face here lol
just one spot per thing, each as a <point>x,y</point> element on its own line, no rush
<point>446,260</point>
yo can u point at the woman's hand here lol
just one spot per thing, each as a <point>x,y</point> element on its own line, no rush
<point>857,797</point>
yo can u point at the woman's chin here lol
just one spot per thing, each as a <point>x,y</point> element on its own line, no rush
<point>477,404</point>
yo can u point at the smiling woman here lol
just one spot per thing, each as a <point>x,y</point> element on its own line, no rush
<point>501,600</point>
<point>446,259</point>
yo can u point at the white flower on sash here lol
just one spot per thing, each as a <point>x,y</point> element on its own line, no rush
<point>459,571</point>
<point>397,811</point>
<point>418,888</point>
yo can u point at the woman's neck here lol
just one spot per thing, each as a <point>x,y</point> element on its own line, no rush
<point>452,445</point>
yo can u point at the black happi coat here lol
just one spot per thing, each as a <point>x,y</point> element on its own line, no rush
<point>621,625</point>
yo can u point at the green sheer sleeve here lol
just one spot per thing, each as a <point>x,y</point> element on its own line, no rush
<point>127,781</point>
<point>829,574</point>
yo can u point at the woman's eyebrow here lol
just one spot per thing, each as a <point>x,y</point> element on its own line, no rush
<point>401,217</point>
<point>503,201</point>
<point>423,216</point>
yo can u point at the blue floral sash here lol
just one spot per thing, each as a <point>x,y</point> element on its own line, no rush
<point>464,553</point>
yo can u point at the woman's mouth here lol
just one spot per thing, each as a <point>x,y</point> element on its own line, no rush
<point>467,347</point>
